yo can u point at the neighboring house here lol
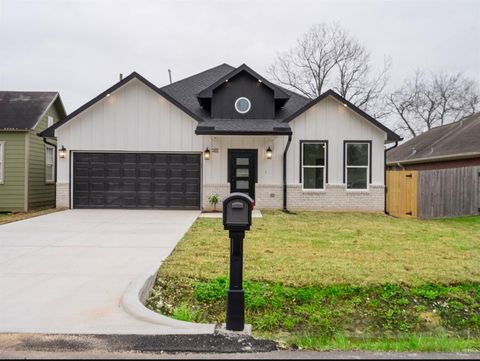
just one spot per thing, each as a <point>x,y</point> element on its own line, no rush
<point>220,131</point>
<point>445,165</point>
<point>27,164</point>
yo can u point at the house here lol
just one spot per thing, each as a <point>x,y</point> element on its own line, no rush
<point>443,166</point>
<point>27,163</point>
<point>223,130</point>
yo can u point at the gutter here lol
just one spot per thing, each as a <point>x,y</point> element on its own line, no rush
<point>385,175</point>
<point>437,159</point>
<point>285,173</point>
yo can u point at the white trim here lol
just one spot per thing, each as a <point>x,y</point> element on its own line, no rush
<point>243,111</point>
<point>2,161</point>
<point>52,180</point>
<point>324,167</point>
<point>367,167</point>
<point>50,121</point>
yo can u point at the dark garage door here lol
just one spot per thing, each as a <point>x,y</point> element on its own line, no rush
<point>136,180</point>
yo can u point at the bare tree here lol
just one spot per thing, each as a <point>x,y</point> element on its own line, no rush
<point>328,57</point>
<point>429,100</point>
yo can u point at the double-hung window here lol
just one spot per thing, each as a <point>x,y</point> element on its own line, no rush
<point>2,162</point>
<point>357,164</point>
<point>49,164</point>
<point>314,165</point>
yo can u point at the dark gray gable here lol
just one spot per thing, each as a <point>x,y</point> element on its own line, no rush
<point>23,109</point>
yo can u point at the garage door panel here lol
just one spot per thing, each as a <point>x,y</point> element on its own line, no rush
<point>136,180</point>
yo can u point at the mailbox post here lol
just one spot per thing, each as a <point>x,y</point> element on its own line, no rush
<point>237,218</point>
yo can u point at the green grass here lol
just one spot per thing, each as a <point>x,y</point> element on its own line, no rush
<point>336,280</point>
<point>313,248</point>
<point>439,343</point>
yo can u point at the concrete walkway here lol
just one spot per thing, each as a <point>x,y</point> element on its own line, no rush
<point>66,272</point>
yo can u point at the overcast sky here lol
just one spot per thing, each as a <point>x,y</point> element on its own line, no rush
<point>79,47</point>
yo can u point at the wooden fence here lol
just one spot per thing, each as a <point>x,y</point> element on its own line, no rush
<point>449,192</point>
<point>436,193</point>
<point>402,193</point>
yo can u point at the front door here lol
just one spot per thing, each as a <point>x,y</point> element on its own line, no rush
<point>242,170</point>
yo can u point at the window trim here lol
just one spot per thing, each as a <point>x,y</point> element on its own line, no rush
<point>2,161</point>
<point>47,181</point>
<point>325,167</point>
<point>369,171</point>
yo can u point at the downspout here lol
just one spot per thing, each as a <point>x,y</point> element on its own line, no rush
<point>385,176</point>
<point>285,173</point>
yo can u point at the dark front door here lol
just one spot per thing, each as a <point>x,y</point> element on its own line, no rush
<point>136,180</point>
<point>242,169</point>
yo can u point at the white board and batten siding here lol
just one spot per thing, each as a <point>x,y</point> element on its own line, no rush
<point>135,118</point>
<point>331,120</point>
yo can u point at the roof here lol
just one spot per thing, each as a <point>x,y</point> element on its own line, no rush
<point>184,94</point>
<point>278,92</point>
<point>459,140</point>
<point>245,126</point>
<point>185,91</point>
<point>23,109</point>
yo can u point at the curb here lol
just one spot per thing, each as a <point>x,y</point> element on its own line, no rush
<point>133,302</point>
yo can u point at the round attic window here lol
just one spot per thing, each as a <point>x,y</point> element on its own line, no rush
<point>242,105</point>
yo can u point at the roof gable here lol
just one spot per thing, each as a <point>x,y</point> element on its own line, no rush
<point>278,93</point>
<point>392,136</point>
<point>24,109</point>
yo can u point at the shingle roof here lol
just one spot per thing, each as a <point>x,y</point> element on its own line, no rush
<point>243,126</point>
<point>456,140</point>
<point>23,109</point>
<point>185,92</point>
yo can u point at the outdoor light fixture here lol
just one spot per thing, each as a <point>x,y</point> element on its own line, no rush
<point>269,153</point>
<point>62,152</point>
<point>345,105</point>
<point>206,154</point>
<point>108,94</point>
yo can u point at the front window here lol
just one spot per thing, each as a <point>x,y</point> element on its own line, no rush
<point>2,161</point>
<point>49,164</point>
<point>314,160</point>
<point>357,164</point>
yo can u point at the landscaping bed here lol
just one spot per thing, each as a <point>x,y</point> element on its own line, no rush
<point>336,280</point>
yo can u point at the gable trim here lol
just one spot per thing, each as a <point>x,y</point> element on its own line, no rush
<point>392,136</point>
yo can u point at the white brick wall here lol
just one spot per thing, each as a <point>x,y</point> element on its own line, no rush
<point>63,195</point>
<point>334,198</point>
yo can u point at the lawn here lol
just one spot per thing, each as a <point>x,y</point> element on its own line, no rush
<point>336,280</point>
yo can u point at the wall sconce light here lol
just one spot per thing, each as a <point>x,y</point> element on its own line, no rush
<point>269,153</point>
<point>206,154</point>
<point>62,152</point>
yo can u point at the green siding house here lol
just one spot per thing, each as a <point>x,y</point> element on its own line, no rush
<point>27,162</point>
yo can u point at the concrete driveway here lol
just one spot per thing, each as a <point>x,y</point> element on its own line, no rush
<point>66,272</point>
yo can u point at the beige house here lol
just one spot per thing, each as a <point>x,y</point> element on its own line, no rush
<point>220,131</point>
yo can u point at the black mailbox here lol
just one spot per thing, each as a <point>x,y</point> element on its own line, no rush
<point>237,218</point>
<point>237,212</point>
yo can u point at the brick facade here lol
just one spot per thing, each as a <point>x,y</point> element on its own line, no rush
<point>63,197</point>
<point>334,198</point>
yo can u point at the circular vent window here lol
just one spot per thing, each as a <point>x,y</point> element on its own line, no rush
<point>242,105</point>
